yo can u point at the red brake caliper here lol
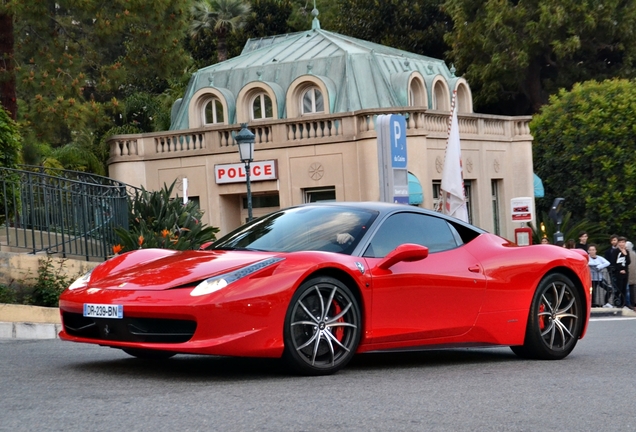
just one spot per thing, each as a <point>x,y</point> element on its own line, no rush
<point>338,332</point>
<point>542,317</point>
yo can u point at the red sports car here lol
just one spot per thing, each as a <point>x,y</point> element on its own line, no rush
<point>317,283</point>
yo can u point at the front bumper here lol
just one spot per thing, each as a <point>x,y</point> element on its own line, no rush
<point>222,323</point>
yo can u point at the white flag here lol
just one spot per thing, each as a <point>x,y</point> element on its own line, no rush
<point>453,198</point>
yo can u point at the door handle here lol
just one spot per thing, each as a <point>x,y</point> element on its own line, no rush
<point>475,269</point>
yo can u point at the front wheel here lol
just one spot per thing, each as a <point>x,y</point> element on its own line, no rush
<point>555,321</point>
<point>322,327</point>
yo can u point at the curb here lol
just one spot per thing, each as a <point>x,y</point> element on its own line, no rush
<point>29,322</point>
<point>612,312</point>
<point>23,330</point>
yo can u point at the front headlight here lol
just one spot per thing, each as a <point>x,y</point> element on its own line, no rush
<point>81,282</point>
<point>216,283</point>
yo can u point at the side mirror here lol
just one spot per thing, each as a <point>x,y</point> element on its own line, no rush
<point>407,252</point>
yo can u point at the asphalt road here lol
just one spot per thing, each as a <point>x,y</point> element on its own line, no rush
<point>50,385</point>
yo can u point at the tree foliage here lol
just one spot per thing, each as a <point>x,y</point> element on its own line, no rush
<point>10,146</point>
<point>585,152</point>
<point>10,141</point>
<point>8,97</point>
<point>520,52</point>
<point>417,26</point>
<point>76,59</point>
<point>158,221</point>
<point>268,18</point>
<point>218,18</point>
<point>301,17</point>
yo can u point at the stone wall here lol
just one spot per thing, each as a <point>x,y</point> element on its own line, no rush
<point>23,268</point>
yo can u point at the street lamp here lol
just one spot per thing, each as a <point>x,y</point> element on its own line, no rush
<point>245,140</point>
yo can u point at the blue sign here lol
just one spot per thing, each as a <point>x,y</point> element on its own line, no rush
<point>397,131</point>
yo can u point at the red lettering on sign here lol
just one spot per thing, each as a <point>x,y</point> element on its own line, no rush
<point>268,169</point>
<point>231,173</point>
<point>221,172</point>
<point>256,171</point>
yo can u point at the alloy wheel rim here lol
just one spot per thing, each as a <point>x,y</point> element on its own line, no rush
<point>324,325</point>
<point>558,316</point>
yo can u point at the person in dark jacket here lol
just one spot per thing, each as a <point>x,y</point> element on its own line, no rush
<point>619,263</point>
<point>582,244</point>
<point>613,243</point>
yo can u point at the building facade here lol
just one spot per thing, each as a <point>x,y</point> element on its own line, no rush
<point>312,100</point>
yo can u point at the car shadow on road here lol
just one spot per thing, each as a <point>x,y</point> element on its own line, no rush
<point>212,368</point>
<point>188,367</point>
<point>432,358</point>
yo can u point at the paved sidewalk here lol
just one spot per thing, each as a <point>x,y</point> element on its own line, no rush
<point>33,322</point>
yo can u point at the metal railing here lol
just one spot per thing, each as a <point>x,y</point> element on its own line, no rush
<point>69,213</point>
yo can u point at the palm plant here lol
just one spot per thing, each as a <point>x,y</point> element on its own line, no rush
<point>546,228</point>
<point>219,17</point>
<point>156,220</point>
<point>82,154</point>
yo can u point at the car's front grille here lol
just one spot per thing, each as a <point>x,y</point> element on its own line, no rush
<point>149,330</point>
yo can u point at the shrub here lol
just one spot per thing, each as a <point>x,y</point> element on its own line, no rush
<point>158,221</point>
<point>49,284</point>
<point>7,294</point>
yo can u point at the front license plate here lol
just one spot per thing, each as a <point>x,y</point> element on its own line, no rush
<point>103,311</point>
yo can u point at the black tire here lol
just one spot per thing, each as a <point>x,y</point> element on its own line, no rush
<point>555,320</point>
<point>322,327</point>
<point>149,354</point>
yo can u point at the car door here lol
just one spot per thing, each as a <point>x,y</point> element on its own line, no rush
<point>438,296</point>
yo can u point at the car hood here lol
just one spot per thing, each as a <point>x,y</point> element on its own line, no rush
<point>171,271</point>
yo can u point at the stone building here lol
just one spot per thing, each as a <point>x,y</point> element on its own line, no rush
<point>312,99</point>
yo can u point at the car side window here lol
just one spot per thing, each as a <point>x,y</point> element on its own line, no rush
<point>430,231</point>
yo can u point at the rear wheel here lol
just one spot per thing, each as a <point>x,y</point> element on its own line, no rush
<point>148,354</point>
<point>555,320</point>
<point>322,327</point>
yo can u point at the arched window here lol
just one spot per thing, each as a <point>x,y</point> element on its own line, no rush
<point>213,112</point>
<point>441,97</point>
<point>464,98</point>
<point>417,94</point>
<point>313,102</point>
<point>262,107</point>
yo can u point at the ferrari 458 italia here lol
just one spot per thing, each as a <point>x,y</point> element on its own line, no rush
<point>318,283</point>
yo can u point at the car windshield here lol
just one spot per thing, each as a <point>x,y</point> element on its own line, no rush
<point>305,228</point>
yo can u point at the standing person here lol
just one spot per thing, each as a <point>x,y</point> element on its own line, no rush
<point>582,244</point>
<point>596,264</point>
<point>610,251</point>
<point>569,244</point>
<point>620,264</point>
<point>630,300</point>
